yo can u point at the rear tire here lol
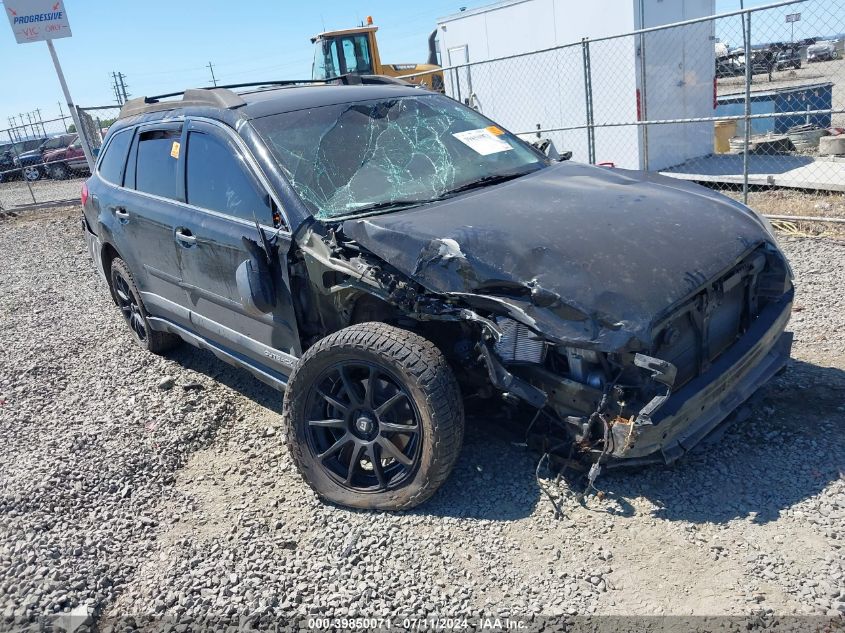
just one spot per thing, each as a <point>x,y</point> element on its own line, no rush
<point>59,171</point>
<point>128,299</point>
<point>374,417</point>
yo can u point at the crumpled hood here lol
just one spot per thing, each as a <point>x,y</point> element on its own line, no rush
<point>618,247</point>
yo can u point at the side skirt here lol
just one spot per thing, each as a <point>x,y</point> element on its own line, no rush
<point>266,375</point>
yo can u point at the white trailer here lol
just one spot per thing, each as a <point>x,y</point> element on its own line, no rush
<point>546,90</point>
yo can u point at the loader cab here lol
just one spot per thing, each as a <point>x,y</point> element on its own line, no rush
<point>339,53</point>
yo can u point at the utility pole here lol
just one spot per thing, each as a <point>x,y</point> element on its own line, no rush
<point>213,78</point>
<point>121,77</point>
<point>41,122</point>
<point>32,129</point>
<point>62,116</point>
<point>116,89</point>
<point>119,87</point>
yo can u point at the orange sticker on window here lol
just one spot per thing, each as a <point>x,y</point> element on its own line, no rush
<point>174,149</point>
<point>495,130</point>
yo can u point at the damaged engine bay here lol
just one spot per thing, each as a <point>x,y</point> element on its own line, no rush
<point>594,388</point>
<point>628,313</point>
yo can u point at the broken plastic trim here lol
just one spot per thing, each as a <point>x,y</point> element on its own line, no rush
<point>505,381</point>
<point>662,372</point>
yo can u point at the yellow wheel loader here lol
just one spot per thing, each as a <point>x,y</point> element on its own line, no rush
<point>355,52</point>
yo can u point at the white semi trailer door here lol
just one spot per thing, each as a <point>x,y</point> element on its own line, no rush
<point>679,72</point>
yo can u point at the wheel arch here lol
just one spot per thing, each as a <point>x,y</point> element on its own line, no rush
<point>108,253</point>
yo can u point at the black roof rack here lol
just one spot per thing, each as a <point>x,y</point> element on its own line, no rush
<point>224,97</point>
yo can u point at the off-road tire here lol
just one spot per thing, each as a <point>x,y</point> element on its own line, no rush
<point>155,342</point>
<point>429,381</point>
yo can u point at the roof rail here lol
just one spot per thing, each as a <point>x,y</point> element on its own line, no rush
<point>224,97</point>
<point>215,97</point>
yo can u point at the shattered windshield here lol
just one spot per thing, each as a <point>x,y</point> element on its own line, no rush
<point>370,155</point>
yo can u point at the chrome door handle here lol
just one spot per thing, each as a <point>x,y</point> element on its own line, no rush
<point>185,237</point>
<point>121,213</point>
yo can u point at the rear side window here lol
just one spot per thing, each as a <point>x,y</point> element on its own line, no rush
<point>113,162</point>
<point>156,163</point>
<point>217,179</point>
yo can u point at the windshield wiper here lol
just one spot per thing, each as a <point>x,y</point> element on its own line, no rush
<point>394,205</point>
<point>486,181</point>
<point>388,205</point>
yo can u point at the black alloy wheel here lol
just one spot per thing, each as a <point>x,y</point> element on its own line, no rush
<point>127,297</point>
<point>129,307</point>
<point>374,417</point>
<point>363,427</point>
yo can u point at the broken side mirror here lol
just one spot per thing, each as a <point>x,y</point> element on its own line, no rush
<point>255,281</point>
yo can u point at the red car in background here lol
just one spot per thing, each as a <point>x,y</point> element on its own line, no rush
<point>64,162</point>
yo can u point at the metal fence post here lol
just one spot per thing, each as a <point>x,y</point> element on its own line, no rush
<point>588,96</point>
<point>643,94</point>
<point>748,75</point>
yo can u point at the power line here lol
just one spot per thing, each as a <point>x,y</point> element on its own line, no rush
<point>213,79</point>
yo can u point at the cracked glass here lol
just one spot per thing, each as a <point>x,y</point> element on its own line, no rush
<point>351,158</point>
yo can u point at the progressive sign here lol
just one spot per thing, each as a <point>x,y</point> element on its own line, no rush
<point>37,20</point>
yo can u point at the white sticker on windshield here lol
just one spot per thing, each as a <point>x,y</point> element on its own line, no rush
<point>483,141</point>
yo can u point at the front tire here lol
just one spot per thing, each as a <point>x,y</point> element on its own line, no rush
<point>32,173</point>
<point>127,297</point>
<point>374,417</point>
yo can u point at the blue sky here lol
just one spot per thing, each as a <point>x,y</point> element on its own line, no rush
<point>163,46</point>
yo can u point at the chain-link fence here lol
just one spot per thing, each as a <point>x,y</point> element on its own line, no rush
<point>737,99</point>
<point>95,122</point>
<point>28,153</point>
<point>43,161</point>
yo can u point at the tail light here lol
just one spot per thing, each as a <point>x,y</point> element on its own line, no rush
<point>84,193</point>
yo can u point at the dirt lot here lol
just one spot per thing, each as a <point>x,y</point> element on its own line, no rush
<point>798,203</point>
<point>150,487</point>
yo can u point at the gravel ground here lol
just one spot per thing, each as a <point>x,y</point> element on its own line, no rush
<point>150,487</point>
<point>15,193</point>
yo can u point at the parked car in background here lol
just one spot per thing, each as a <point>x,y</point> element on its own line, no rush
<point>763,62</point>
<point>7,162</point>
<point>9,167</point>
<point>729,67</point>
<point>66,161</point>
<point>31,163</point>
<point>789,58</point>
<point>822,51</point>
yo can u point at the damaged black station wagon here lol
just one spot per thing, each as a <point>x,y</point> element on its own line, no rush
<point>381,253</point>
